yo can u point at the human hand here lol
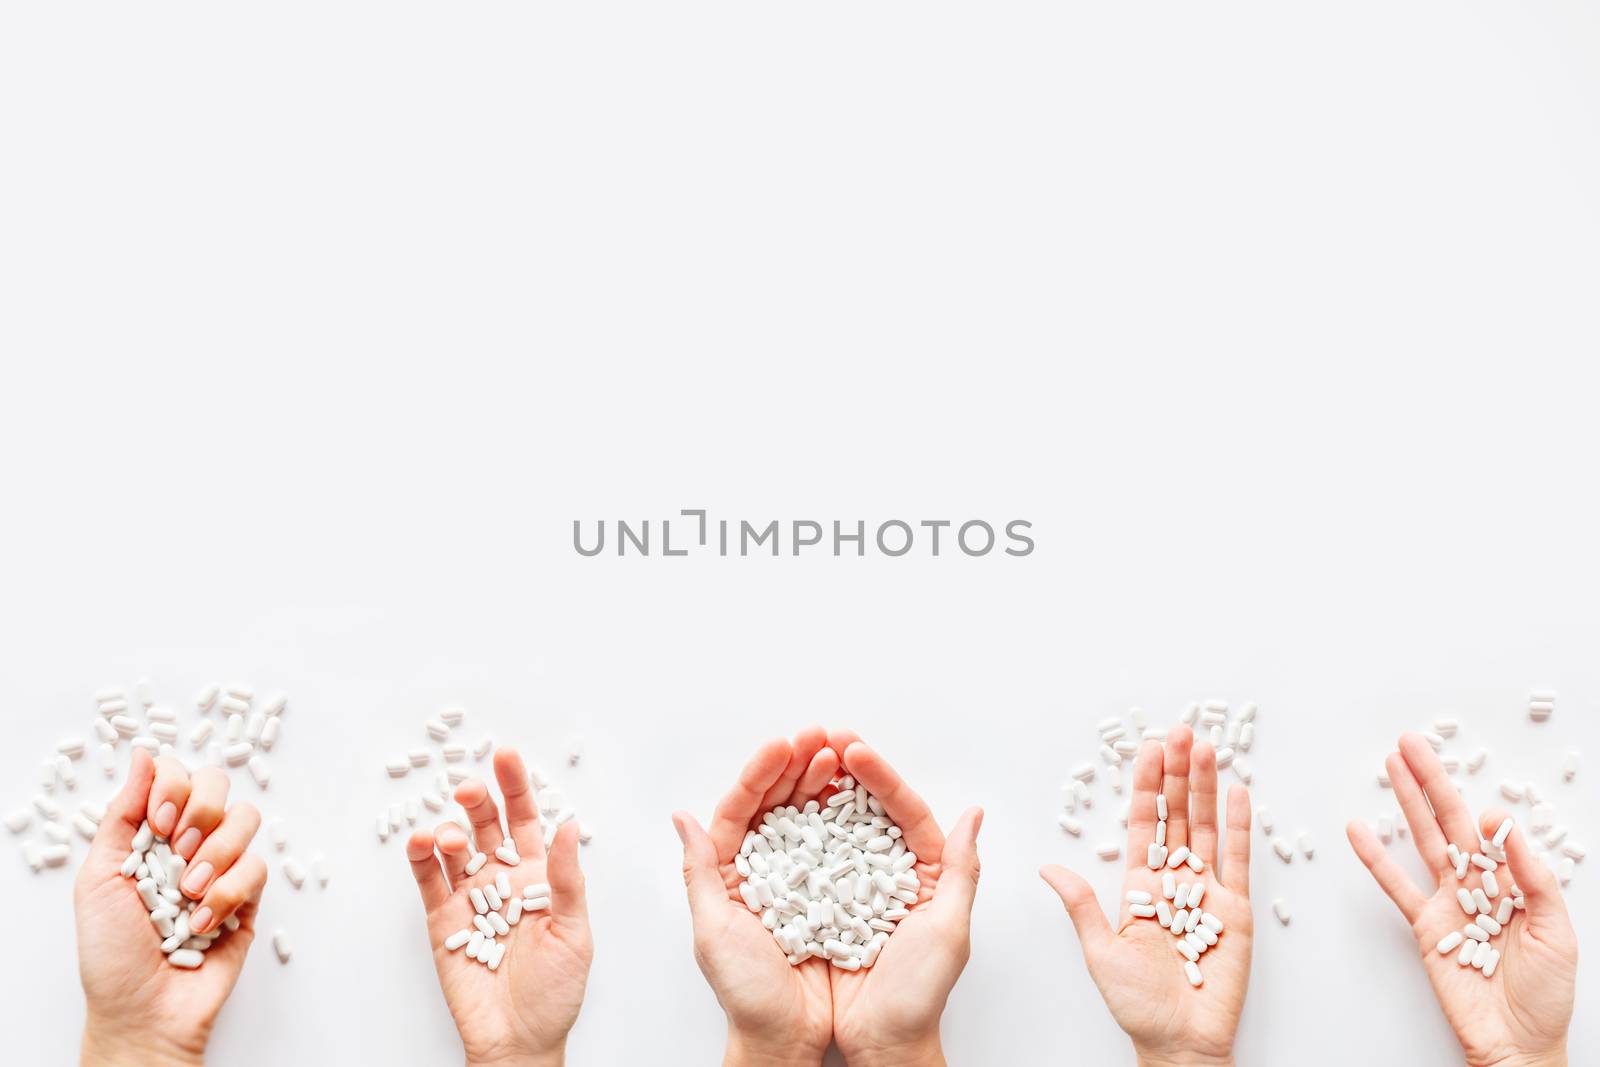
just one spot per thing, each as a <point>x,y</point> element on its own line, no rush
<point>1139,974</point>
<point>778,1014</point>
<point>140,1009</point>
<point>1520,1015</point>
<point>889,1013</point>
<point>521,1013</point>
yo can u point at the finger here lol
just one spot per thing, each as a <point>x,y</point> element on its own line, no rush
<point>126,811</point>
<point>958,872</point>
<point>701,875</point>
<point>208,796</point>
<point>1203,802</point>
<point>1142,810</point>
<point>1448,807</point>
<point>907,810</point>
<point>1388,874</point>
<point>220,850</point>
<point>1094,933</point>
<point>483,813</point>
<point>1540,892</point>
<point>454,850</point>
<point>733,815</point>
<point>841,739</point>
<point>807,743</point>
<point>823,768</point>
<point>569,902</point>
<point>1425,832</point>
<point>522,807</point>
<point>431,882</point>
<point>1175,762</point>
<point>167,796</point>
<point>1236,846</point>
<point>237,885</point>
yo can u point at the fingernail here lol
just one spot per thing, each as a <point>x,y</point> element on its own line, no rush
<point>200,921</point>
<point>189,842</point>
<point>196,878</point>
<point>166,816</point>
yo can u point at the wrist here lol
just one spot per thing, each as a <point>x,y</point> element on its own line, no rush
<point>107,1045</point>
<point>1182,1059</point>
<point>1552,1058</point>
<point>555,1057</point>
<point>922,1052</point>
<point>751,1050</point>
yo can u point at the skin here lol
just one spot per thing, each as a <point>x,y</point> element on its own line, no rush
<point>520,1014</point>
<point>780,1014</point>
<point>1519,1017</point>
<point>1139,973</point>
<point>140,1010</point>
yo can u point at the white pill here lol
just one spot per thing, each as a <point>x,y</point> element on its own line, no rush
<point>1449,942</point>
<point>1177,857</point>
<point>1191,970</point>
<point>1503,915</point>
<point>1503,832</point>
<point>1490,924</point>
<point>319,870</point>
<point>1446,727</point>
<point>1569,765</point>
<point>186,958</point>
<point>1197,892</point>
<point>46,807</point>
<point>1476,761</point>
<point>1468,905</point>
<point>1480,954</point>
<point>18,820</point>
<point>1180,899</point>
<point>1142,911</point>
<point>536,889</point>
<point>437,729</point>
<point>1512,791</point>
<point>1161,806</point>
<point>1476,932</point>
<point>66,772</point>
<point>1491,884</point>
<point>1307,847</point>
<point>1169,885</point>
<point>507,854</point>
<point>1264,817</point>
<point>1468,949</point>
<point>397,768</point>
<point>1164,913</point>
<point>1481,902</point>
<point>1188,951</point>
<point>1281,847</point>
<point>235,730</point>
<point>499,923</point>
<point>1482,862</point>
<point>1281,910</point>
<point>1084,772</point>
<point>492,896</point>
<point>238,753</point>
<point>454,753</point>
<point>280,945</point>
<point>432,800</point>
<point>275,705</point>
<point>1138,896</point>
<point>1491,963</point>
<point>260,771</point>
<point>481,749</point>
<point>480,902</point>
<point>1155,856</point>
<point>294,872</point>
<point>269,732</point>
<point>475,864</point>
<point>1225,758</point>
<point>1161,832</point>
<point>452,716</point>
<point>142,691</point>
<point>1564,870</point>
<point>1069,824</point>
<point>1108,850</point>
<point>535,904</point>
<point>457,940</point>
<point>1241,768</point>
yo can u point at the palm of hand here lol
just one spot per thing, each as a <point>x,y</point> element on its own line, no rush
<point>1526,1004</point>
<point>533,999</point>
<point>760,982</point>
<point>121,962</point>
<point>1147,991</point>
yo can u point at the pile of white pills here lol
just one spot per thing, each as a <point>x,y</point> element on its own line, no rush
<point>436,796</point>
<point>489,923</point>
<point>830,879</point>
<point>157,870</point>
<point>1486,919</point>
<point>1194,931</point>
<point>239,737</point>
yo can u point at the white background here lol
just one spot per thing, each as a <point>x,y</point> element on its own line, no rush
<point>320,323</point>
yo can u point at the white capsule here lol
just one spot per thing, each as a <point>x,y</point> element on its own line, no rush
<point>499,923</point>
<point>1197,892</point>
<point>1108,850</point>
<point>437,729</point>
<point>1161,832</point>
<point>1503,832</point>
<point>1468,949</point>
<point>1180,899</point>
<point>1490,925</point>
<point>1069,824</point>
<point>1264,818</point>
<point>1307,847</point>
<point>1569,765</point>
<point>1281,910</point>
<point>1492,962</point>
<point>142,692</point>
<point>1481,902</point>
<point>1281,847</point>
<point>1084,772</point>
<point>1110,755</point>
<point>18,820</point>
<point>1512,791</point>
<point>1142,911</point>
<point>535,904</point>
<point>1491,884</point>
<point>1480,955</point>
<point>1241,768</point>
<point>280,945</point>
<point>482,748</point>
<point>475,864</point>
<point>1138,896</point>
<point>1476,932</point>
<point>186,958</point>
<point>1169,885</point>
<point>457,940</point>
<point>479,899</point>
<point>46,807</point>
<point>1503,915</point>
<point>1191,970</point>
<point>319,870</point>
<point>1187,950</point>
<point>238,753</point>
<point>294,872</point>
<point>1449,942</point>
<point>454,753</point>
<point>397,768</point>
<point>507,854</point>
<point>1468,905</point>
<point>269,732</point>
<point>1161,806</point>
<point>1565,870</point>
<point>1177,857</point>
<point>260,771</point>
<point>1155,856</point>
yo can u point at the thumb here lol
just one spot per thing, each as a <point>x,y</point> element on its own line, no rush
<point>125,812</point>
<point>700,874</point>
<point>1093,931</point>
<point>569,903</point>
<point>958,875</point>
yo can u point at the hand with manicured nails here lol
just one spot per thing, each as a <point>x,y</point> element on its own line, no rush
<point>889,1013</point>
<point>140,1009</point>
<point>1519,1015</point>
<point>778,1014</point>
<point>521,1013</point>
<point>1138,970</point>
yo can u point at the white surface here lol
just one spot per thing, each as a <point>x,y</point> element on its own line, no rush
<point>323,324</point>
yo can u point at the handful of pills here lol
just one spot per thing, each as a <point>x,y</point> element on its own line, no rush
<point>1486,919</point>
<point>831,879</point>
<point>157,871</point>
<point>488,923</point>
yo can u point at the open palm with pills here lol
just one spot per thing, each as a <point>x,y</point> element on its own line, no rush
<point>890,1013</point>
<point>520,1010</point>
<point>1144,970</point>
<point>777,1013</point>
<point>139,1007</point>
<point>1503,973</point>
